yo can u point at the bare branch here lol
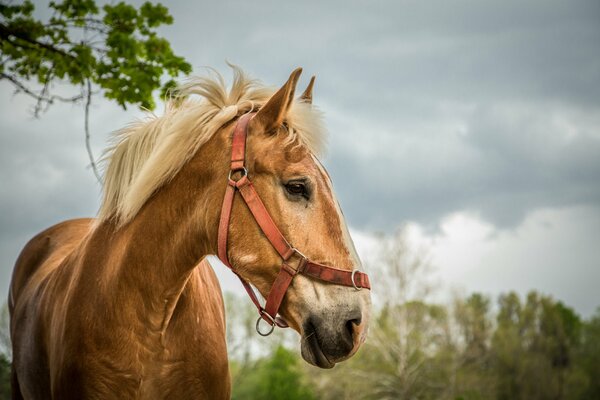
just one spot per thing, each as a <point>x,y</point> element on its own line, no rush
<point>43,94</point>
<point>19,85</point>
<point>87,131</point>
<point>39,97</point>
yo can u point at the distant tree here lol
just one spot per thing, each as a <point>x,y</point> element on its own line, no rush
<point>473,318</point>
<point>587,357</point>
<point>114,50</point>
<point>473,370</point>
<point>402,272</point>
<point>276,377</point>
<point>409,353</point>
<point>240,328</point>
<point>507,342</point>
<point>533,348</point>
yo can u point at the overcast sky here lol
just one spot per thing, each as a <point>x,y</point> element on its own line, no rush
<point>474,124</point>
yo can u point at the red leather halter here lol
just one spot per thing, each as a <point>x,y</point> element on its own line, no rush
<point>288,253</point>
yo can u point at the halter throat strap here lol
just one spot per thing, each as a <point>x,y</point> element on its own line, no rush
<point>293,261</point>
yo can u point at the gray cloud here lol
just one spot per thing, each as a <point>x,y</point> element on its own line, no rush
<point>501,161</point>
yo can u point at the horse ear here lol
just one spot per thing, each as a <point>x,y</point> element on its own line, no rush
<point>307,95</point>
<point>272,114</point>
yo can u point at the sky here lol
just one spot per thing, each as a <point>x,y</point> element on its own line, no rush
<point>474,126</point>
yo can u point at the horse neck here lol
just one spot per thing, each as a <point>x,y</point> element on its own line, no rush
<point>157,251</point>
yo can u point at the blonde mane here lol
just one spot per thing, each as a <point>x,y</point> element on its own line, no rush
<point>148,153</point>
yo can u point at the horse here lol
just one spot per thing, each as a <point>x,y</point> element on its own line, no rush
<point>126,305</point>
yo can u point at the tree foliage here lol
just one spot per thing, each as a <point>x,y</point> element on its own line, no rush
<point>4,377</point>
<point>114,47</point>
<point>276,377</point>
<point>533,349</point>
<point>587,356</point>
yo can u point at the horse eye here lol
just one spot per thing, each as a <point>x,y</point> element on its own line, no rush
<point>297,189</point>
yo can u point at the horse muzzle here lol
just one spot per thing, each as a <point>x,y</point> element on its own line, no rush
<point>328,339</point>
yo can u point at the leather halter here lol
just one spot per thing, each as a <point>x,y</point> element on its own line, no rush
<point>294,262</point>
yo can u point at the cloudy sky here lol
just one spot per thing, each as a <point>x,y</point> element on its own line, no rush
<point>475,125</point>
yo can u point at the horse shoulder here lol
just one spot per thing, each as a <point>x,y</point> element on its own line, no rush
<point>195,342</point>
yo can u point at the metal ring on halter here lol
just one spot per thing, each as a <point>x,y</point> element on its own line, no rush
<point>260,318</point>
<point>354,271</point>
<point>242,171</point>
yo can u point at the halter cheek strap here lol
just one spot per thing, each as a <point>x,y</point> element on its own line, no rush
<point>294,262</point>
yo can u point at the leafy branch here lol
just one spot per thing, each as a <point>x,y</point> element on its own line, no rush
<point>114,50</point>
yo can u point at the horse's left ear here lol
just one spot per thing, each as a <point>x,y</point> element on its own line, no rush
<point>272,114</point>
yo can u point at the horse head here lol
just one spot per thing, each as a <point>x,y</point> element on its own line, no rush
<point>331,318</point>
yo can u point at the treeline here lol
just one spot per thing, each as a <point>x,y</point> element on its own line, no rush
<point>532,348</point>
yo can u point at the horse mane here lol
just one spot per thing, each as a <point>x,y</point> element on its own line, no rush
<point>148,153</point>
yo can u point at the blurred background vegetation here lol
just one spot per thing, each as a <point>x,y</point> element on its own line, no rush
<point>420,347</point>
<point>468,347</point>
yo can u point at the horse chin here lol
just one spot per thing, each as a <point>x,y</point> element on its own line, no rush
<point>312,353</point>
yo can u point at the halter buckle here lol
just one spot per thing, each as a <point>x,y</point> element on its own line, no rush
<point>298,267</point>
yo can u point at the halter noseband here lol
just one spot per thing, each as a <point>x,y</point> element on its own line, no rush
<point>294,262</point>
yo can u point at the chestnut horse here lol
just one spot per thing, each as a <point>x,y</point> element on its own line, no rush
<point>126,306</point>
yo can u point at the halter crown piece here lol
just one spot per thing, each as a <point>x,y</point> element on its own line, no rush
<point>294,262</point>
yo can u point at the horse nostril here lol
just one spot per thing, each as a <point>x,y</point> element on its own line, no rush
<point>350,324</point>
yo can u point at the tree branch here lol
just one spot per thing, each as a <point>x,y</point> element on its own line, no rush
<point>87,131</point>
<point>6,34</point>
<point>99,27</point>
<point>40,98</point>
<point>19,85</point>
<point>43,94</point>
